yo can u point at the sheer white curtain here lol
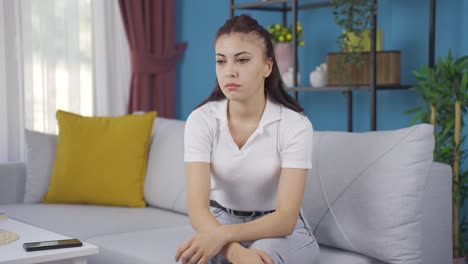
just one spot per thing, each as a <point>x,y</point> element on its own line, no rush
<point>58,54</point>
<point>111,59</point>
<point>11,103</point>
<point>57,60</point>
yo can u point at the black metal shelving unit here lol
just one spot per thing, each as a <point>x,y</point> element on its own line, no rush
<point>293,6</point>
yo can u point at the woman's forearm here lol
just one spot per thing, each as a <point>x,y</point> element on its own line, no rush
<point>203,221</point>
<point>276,224</point>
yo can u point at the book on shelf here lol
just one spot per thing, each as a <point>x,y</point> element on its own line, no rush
<point>3,215</point>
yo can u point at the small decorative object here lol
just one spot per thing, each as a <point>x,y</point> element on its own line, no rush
<point>7,237</point>
<point>288,78</point>
<point>318,78</point>
<point>281,37</point>
<point>3,216</point>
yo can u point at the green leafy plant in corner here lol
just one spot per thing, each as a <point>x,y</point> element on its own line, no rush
<point>444,89</point>
<point>354,17</point>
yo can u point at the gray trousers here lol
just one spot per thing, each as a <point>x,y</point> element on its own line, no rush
<point>298,248</point>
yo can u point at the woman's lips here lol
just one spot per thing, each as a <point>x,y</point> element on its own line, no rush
<point>232,86</point>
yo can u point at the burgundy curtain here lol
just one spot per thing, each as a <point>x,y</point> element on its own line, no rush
<point>150,29</point>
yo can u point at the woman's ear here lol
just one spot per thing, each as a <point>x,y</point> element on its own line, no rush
<point>268,67</point>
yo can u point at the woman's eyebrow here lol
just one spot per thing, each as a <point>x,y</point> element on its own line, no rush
<point>241,53</point>
<point>235,55</point>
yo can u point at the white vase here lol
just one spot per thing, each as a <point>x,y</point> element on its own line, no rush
<point>288,78</point>
<point>318,78</point>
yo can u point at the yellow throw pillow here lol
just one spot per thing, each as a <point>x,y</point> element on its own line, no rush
<point>100,160</point>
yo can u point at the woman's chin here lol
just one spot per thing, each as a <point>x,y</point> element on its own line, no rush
<point>234,96</point>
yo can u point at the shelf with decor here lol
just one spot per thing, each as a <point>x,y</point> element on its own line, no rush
<point>372,75</point>
<point>346,88</point>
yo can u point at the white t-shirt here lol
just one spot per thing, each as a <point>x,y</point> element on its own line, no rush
<point>247,179</point>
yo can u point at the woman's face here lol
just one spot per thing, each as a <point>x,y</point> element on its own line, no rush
<point>241,66</point>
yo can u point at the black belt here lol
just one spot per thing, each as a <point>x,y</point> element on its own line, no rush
<point>239,213</point>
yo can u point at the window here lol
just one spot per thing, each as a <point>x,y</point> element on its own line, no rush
<point>58,54</point>
<point>57,62</point>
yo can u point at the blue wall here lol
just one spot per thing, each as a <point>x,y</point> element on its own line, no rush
<point>405,28</point>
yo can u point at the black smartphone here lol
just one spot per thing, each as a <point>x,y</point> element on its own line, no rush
<point>53,244</point>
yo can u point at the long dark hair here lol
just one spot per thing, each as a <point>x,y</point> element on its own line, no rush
<point>274,87</point>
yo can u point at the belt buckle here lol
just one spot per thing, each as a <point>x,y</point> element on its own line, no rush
<point>252,214</point>
<point>230,211</point>
<point>233,212</point>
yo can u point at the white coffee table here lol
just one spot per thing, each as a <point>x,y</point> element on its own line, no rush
<point>14,253</point>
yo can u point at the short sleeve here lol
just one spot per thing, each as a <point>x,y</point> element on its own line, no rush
<point>296,151</point>
<point>197,138</point>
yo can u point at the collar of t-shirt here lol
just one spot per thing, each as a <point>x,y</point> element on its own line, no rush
<point>271,113</point>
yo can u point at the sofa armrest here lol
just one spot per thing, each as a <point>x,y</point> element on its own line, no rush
<point>437,216</point>
<point>12,182</point>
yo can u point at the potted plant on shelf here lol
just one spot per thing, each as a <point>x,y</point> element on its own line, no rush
<point>444,89</point>
<point>354,17</point>
<point>281,36</point>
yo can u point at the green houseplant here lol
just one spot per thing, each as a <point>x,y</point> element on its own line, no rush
<point>444,89</point>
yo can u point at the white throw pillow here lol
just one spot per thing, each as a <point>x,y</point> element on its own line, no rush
<point>40,157</point>
<point>364,193</point>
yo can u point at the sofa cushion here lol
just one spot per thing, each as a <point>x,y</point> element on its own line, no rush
<point>86,221</point>
<point>329,255</point>
<point>165,178</point>
<point>364,193</point>
<point>156,246</point>
<point>100,160</point>
<point>40,156</point>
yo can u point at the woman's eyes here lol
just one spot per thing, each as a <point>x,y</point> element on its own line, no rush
<point>221,62</point>
<point>243,60</point>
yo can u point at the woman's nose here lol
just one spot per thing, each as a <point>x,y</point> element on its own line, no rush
<point>231,70</point>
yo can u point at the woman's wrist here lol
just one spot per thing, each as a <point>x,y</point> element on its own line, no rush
<point>224,232</point>
<point>232,251</point>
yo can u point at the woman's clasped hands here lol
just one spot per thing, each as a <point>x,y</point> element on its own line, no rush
<point>202,247</point>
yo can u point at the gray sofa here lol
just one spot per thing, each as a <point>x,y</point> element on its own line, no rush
<point>372,197</point>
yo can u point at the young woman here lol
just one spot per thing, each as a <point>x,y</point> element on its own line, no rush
<point>248,148</point>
